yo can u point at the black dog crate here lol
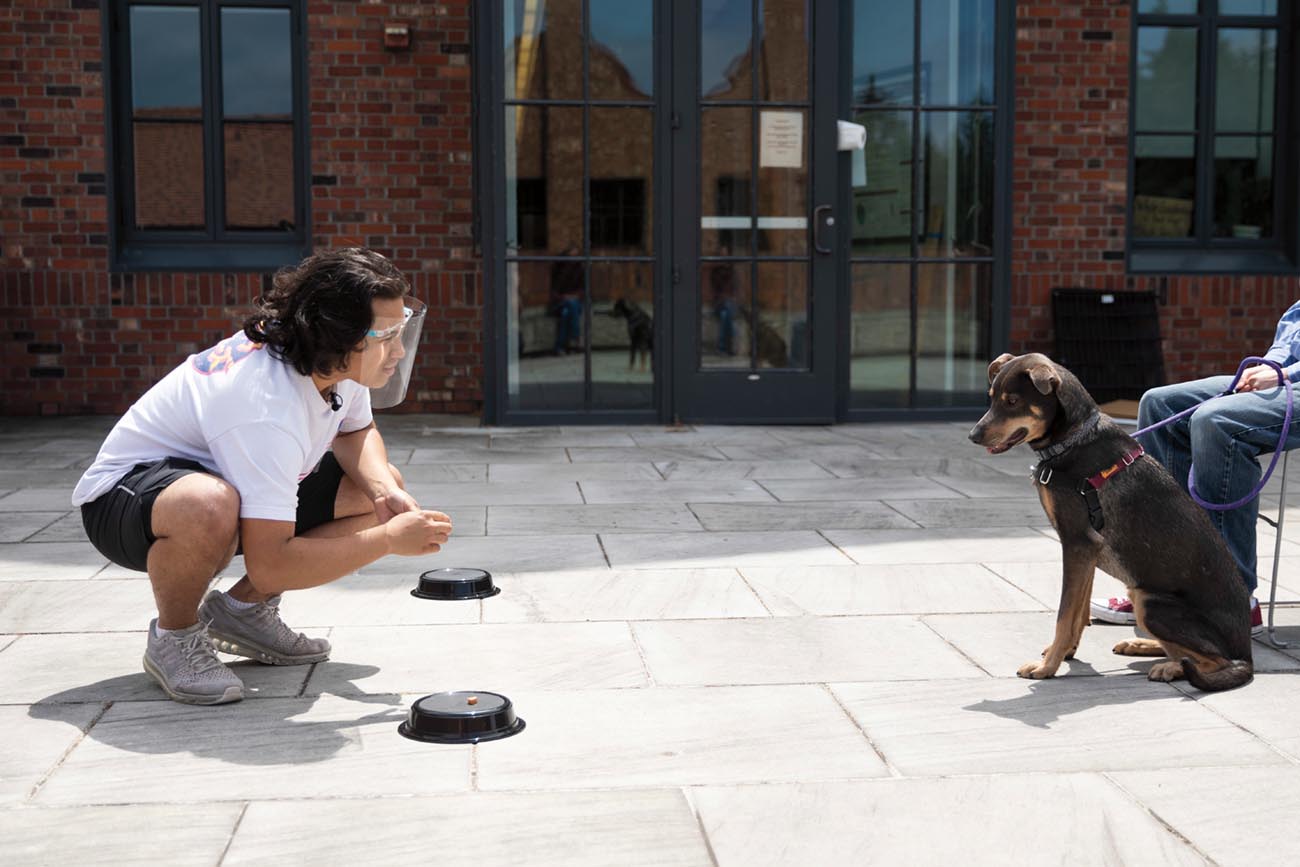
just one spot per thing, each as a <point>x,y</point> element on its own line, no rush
<point>1110,340</point>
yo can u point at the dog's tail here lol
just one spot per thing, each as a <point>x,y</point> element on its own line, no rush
<point>1238,672</point>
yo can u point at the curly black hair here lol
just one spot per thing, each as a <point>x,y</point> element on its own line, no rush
<point>319,310</point>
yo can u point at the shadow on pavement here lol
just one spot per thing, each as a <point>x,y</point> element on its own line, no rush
<point>255,731</point>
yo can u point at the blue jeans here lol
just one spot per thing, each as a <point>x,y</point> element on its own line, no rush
<point>726,311</point>
<point>1224,438</point>
<point>568,326</point>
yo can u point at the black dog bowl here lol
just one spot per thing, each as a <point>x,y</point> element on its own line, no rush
<point>456,584</point>
<point>461,718</point>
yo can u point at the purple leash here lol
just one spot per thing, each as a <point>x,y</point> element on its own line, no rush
<point>1286,429</point>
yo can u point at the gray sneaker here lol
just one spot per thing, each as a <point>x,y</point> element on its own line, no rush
<point>258,632</point>
<point>187,669</point>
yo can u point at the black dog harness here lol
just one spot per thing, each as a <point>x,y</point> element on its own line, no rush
<point>1089,487</point>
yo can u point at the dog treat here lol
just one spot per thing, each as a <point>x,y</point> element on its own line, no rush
<point>473,699</point>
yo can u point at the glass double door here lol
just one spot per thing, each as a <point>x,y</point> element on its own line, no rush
<point>754,230</point>
<point>676,235</point>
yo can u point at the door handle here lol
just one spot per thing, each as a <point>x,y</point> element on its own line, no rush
<point>817,227</point>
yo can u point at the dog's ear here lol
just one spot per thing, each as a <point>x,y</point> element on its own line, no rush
<point>997,363</point>
<point>1045,378</point>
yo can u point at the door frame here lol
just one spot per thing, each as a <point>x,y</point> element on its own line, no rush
<point>746,396</point>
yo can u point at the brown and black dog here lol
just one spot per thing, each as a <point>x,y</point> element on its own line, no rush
<point>1115,508</point>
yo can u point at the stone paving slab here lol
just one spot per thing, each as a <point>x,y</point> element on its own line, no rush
<point>33,744</point>
<point>884,589</point>
<point>718,550</point>
<point>21,526</point>
<point>799,516</point>
<point>787,681</point>
<point>645,594</point>
<point>1210,808</point>
<point>1075,819</point>
<point>190,835</point>
<point>581,829</point>
<point>676,736</point>
<point>50,561</point>
<point>796,650</point>
<point>296,747</point>
<point>1010,725</point>
<point>500,656</point>
<point>971,544</point>
<point>107,667</point>
<point>909,488</point>
<point>547,474</point>
<point>605,518</point>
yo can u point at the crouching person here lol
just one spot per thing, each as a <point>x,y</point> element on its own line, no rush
<point>265,443</point>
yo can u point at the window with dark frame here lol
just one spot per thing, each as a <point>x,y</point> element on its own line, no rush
<point>1211,86</point>
<point>617,212</point>
<point>208,130</point>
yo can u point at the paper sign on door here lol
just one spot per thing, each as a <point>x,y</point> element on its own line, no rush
<point>780,135</point>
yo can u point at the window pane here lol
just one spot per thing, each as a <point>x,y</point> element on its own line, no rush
<point>622,179</point>
<point>546,321</point>
<point>725,298</point>
<point>952,337</point>
<point>1167,7</point>
<point>880,368</point>
<point>543,49</point>
<point>956,216</point>
<point>1164,190</point>
<point>622,335</point>
<point>882,52</point>
<point>1166,79</point>
<point>259,175</point>
<point>166,78</point>
<point>957,52</point>
<point>726,63</point>
<point>1247,70</point>
<point>783,50</point>
<point>622,50</point>
<point>1247,7</point>
<point>781,331</point>
<point>783,183</point>
<point>1243,187</point>
<point>168,175</point>
<point>726,208</point>
<point>882,185</point>
<point>256,63</point>
<point>543,164</point>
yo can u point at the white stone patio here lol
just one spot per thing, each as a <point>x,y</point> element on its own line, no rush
<point>732,646</point>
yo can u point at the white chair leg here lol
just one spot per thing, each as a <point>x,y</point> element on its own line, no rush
<point>1277,558</point>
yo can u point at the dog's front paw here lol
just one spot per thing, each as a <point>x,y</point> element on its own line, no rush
<point>1170,669</point>
<point>1036,670</point>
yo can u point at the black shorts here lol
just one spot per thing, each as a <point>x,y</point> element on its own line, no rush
<point>119,522</point>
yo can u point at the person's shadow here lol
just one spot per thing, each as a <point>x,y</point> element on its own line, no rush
<point>255,731</point>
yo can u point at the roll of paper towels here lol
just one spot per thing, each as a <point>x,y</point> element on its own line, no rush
<point>853,136</point>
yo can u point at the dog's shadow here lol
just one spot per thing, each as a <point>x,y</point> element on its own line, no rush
<point>255,731</point>
<point>1049,701</point>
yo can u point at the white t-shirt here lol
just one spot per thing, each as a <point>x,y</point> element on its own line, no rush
<point>244,415</point>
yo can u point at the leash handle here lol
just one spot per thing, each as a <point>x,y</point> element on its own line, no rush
<point>1277,452</point>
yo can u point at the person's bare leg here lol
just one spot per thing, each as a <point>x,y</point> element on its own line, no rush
<point>355,511</point>
<point>196,522</point>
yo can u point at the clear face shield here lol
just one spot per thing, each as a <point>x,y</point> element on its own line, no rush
<point>407,332</point>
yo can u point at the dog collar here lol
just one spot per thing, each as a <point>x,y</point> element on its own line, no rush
<point>1084,431</point>
<point>1089,487</point>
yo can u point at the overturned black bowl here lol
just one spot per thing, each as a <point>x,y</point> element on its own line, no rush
<point>456,584</point>
<point>462,717</point>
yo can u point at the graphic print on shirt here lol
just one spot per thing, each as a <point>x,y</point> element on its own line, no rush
<point>224,355</point>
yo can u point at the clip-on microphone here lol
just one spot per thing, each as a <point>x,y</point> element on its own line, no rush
<point>336,402</point>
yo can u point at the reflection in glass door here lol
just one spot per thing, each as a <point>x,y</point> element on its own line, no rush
<point>922,203</point>
<point>578,122</point>
<point>752,283</point>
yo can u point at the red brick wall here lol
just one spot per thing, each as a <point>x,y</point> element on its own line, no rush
<point>1068,203</point>
<point>390,166</point>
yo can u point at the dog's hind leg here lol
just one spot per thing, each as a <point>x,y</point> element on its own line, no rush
<point>1079,564</point>
<point>1193,648</point>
